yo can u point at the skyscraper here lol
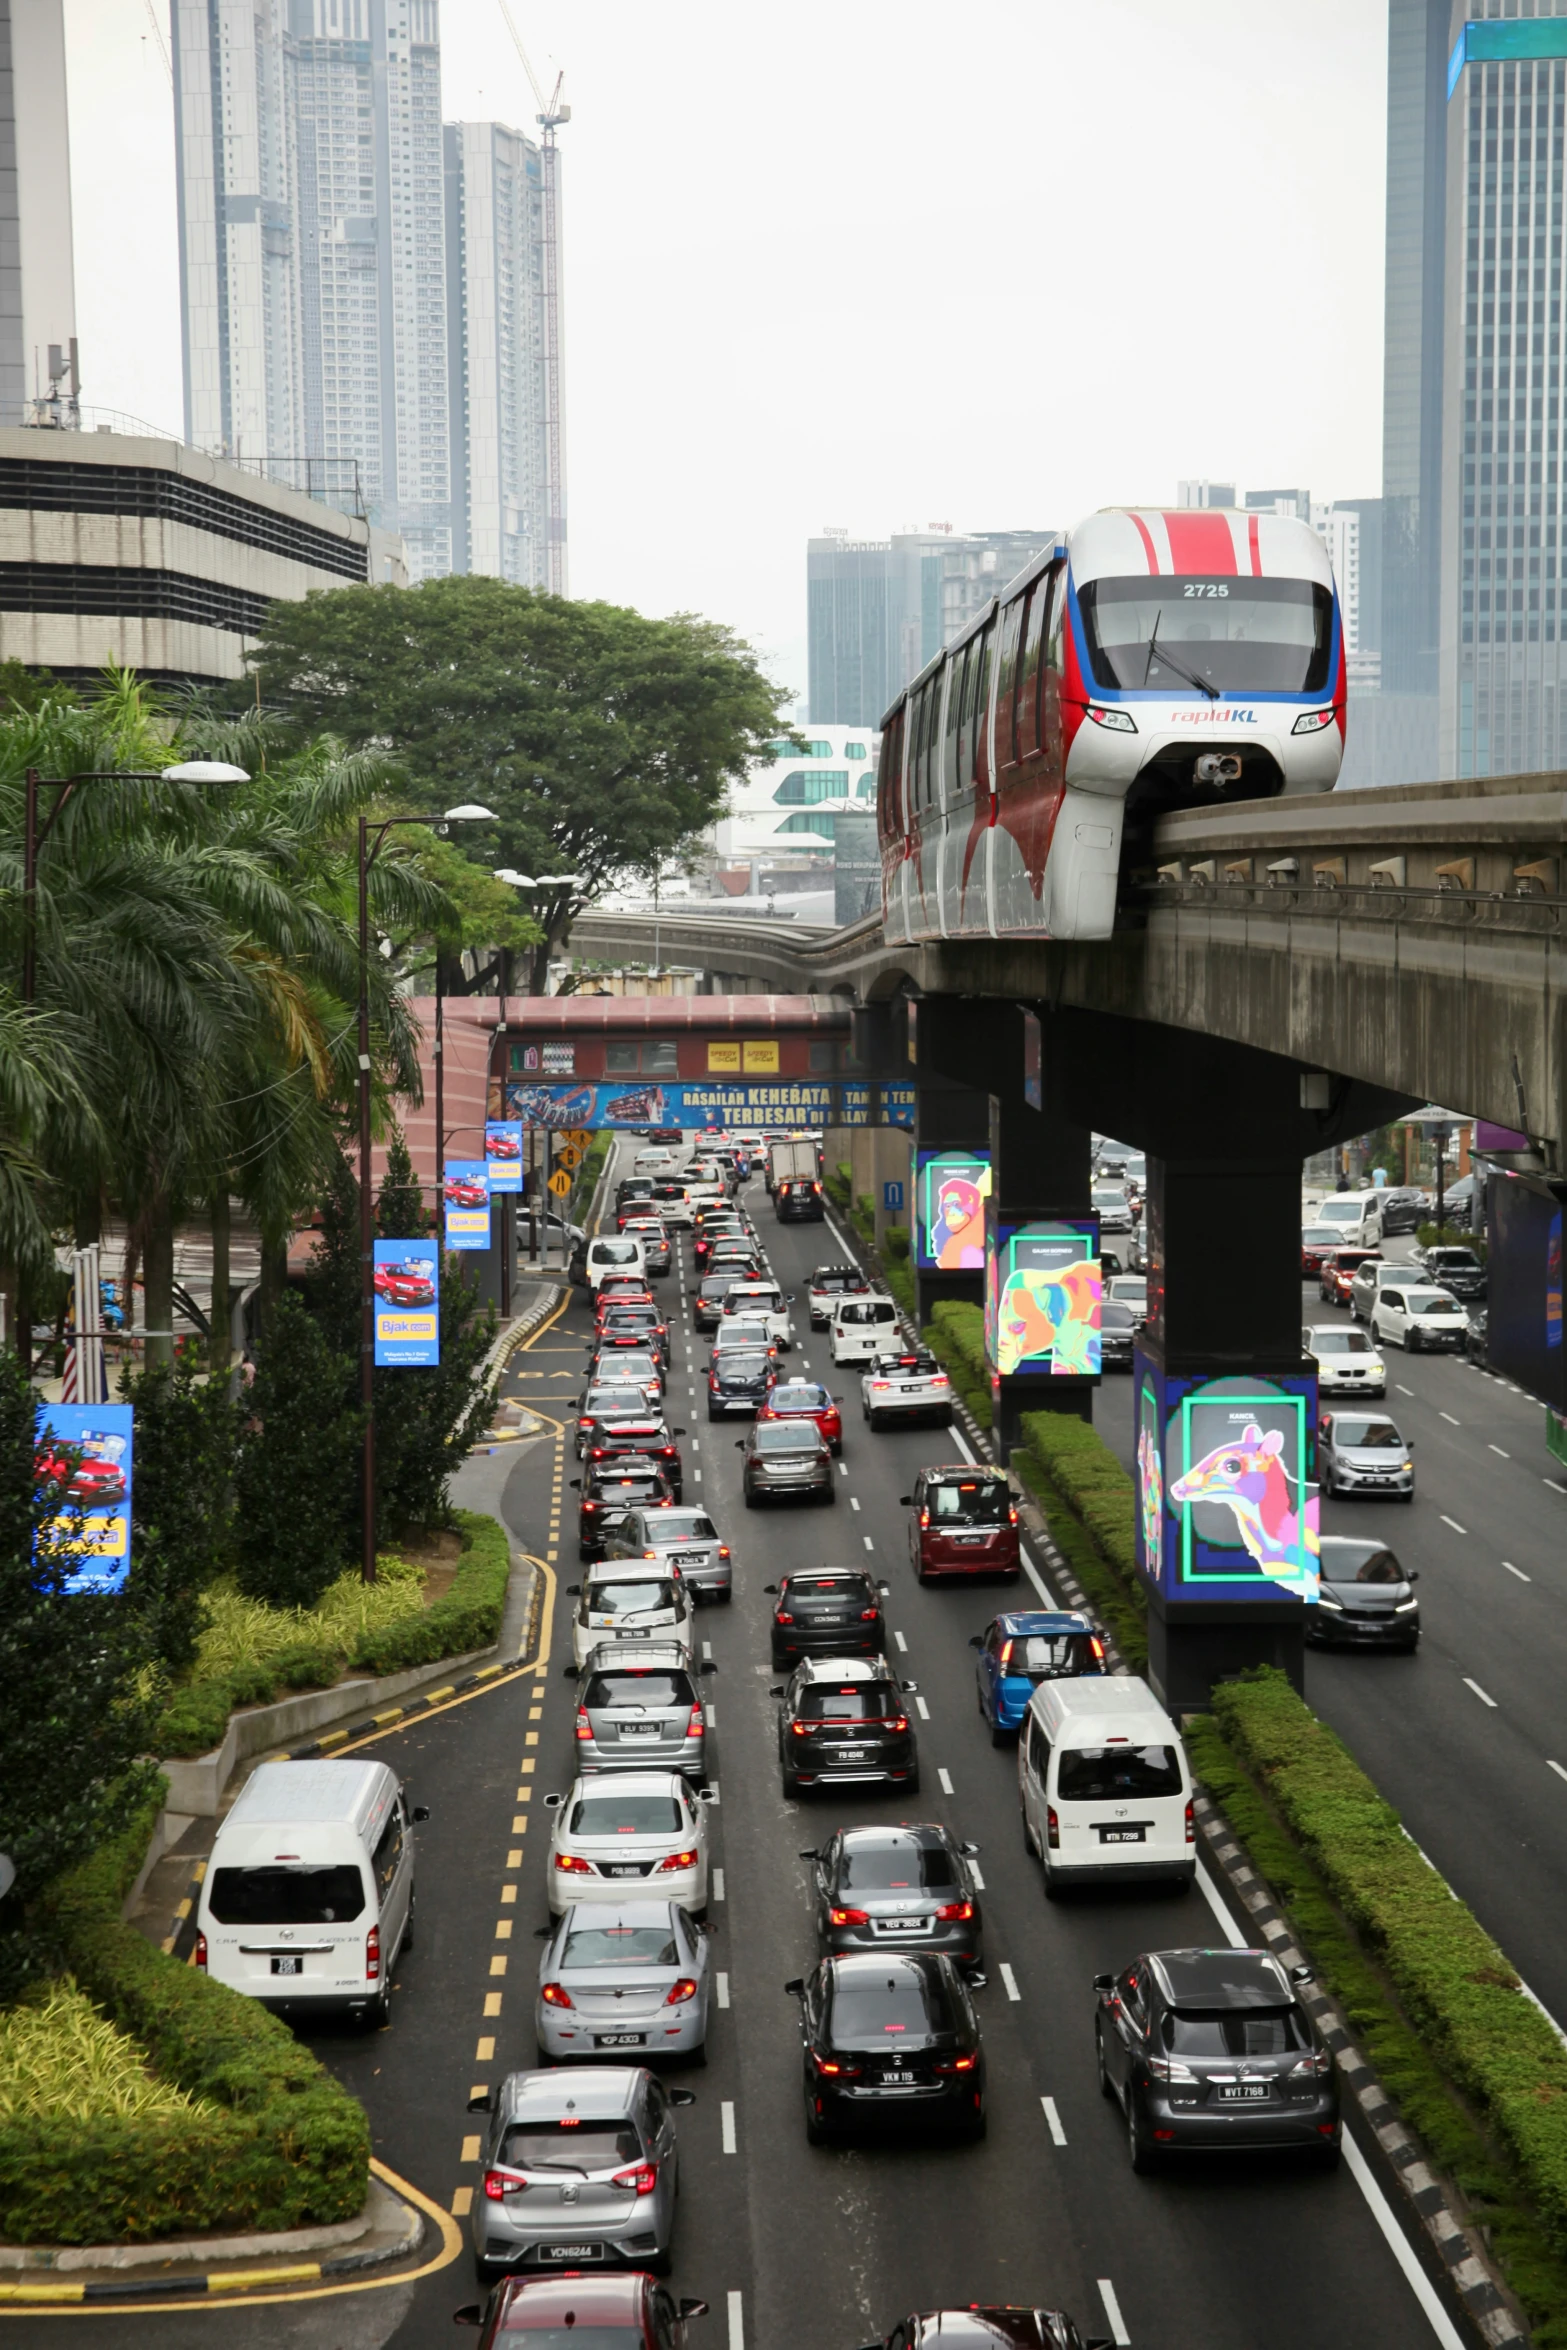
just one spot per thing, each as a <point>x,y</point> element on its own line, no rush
<point>1414,312</point>
<point>878,609</point>
<point>37,280</point>
<point>494,300</point>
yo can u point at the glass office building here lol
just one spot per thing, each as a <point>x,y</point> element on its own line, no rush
<point>878,609</point>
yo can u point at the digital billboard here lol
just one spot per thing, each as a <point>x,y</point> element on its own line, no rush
<point>465,1196</point>
<point>1523,1336</point>
<point>950,1191</point>
<point>95,1523</point>
<point>407,1304</point>
<point>1042,1297</point>
<point>1227,1502</point>
<point>503,1153</point>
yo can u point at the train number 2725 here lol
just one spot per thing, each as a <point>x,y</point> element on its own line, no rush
<point>1205,587</point>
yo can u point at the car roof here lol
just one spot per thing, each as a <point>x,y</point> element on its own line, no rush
<point>593,2093</point>
<point>630,1783</point>
<point>845,1668</point>
<point>1215,1980</point>
<point>866,1966</point>
<point>602,2299</point>
<point>818,1574</point>
<point>289,1794</point>
<point>622,1913</point>
<point>1019,1622</point>
<point>664,1656</point>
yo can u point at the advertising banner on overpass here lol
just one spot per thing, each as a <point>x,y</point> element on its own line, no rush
<point>789,1102</point>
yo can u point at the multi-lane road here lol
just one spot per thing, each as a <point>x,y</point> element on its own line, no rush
<point>825,2249</point>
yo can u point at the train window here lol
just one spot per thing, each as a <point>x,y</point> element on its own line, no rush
<point>985,643</point>
<point>1224,635</point>
<point>921,716</point>
<point>949,747</point>
<point>887,814</point>
<point>1028,704</point>
<point>931,771</point>
<point>966,716</point>
<point>1006,682</point>
<point>1055,657</point>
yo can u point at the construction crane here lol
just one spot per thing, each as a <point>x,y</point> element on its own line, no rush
<point>552,113</point>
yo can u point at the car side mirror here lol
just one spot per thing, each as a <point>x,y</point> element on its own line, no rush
<point>969,1851</point>
<point>795,1986</point>
<point>472,2314</point>
<point>576,1484</point>
<point>678,1432</point>
<point>707,1666</point>
<point>775,1692</point>
<point>574,1591</point>
<point>553,1802</point>
<point>681,2096</point>
<point>689,2308</point>
<point>912,1687</point>
<point>542,1933</point>
<point>481,2102</point>
<point>1302,1974</point>
<point>885,1589</point>
<point>739,1444</point>
<point>906,1501</point>
<point>976,1640</point>
<point>809,1852</point>
<point>421,1811</point>
<point>707,1795</point>
<point>1104,1982</point>
<point>772,1587</point>
<point>837,1399</point>
<point>1413,1575</point>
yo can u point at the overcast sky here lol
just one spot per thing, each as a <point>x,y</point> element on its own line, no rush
<point>875,265</point>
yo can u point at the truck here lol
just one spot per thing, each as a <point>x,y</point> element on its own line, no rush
<point>794,1178</point>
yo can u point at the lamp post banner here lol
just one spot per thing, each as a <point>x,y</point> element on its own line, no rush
<point>503,1153</point>
<point>96,1520</point>
<point>465,1196</point>
<point>407,1305</point>
<point>783,1101</point>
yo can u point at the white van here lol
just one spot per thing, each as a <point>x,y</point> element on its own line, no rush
<point>863,1327</point>
<point>1105,1786</point>
<point>309,1894</point>
<point>1354,1217</point>
<point>620,1255</point>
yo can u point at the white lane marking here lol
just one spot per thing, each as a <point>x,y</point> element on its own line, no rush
<point>707,1652</point>
<point>723,1990</point>
<point>695,1446</point>
<point>903,1646</point>
<point>1518,1571</point>
<point>697,1474</point>
<point>1453,1522</point>
<point>1054,2119</point>
<point>737,2321</point>
<point>1448,1417</point>
<point>868,1543</point>
<point>1010,1980</point>
<point>843,1468</point>
<point>1496,1448</point>
<point>974,1872</point>
<point>1118,2332</point>
<point>1555,1484</point>
<point>853,1504</point>
<point>1402,1389</point>
<point>1399,2245</point>
<point>1211,1894</point>
<point>1557,1768</point>
<point>944,1776</point>
<point>718,1884</point>
<point>712,1716</point>
<point>726,2114</point>
<point>1480,1693</point>
<point>922,1708</point>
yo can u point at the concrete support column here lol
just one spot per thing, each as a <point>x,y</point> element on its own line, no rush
<point>951,1119</point>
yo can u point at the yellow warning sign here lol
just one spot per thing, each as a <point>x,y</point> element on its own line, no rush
<point>577,1136</point>
<point>560,1183</point>
<point>570,1156</point>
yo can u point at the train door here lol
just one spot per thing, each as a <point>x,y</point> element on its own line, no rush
<point>975,902</point>
<point>1080,831</point>
<point>889,824</point>
<point>953,803</point>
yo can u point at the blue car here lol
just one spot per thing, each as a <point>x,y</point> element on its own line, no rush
<point>1023,1648</point>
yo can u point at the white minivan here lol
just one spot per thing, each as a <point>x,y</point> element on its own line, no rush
<point>309,1894</point>
<point>621,1255</point>
<point>1355,1218</point>
<point>863,1327</point>
<point>1105,1785</point>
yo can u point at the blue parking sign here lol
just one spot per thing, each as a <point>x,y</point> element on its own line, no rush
<point>892,1195</point>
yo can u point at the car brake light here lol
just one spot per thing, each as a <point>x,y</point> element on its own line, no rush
<point>556,1995</point>
<point>924,1517</point>
<point>1004,1655</point>
<point>1011,1513</point>
<point>697,1726</point>
<point>498,2183</point>
<point>1191,1826</point>
<point>723,1550</point>
<point>830,2065</point>
<point>584,1726</point>
<point>880,1386</point>
<point>896,1723</point>
<point>1097,1645</point>
<point>868,1615</point>
<point>680,1992</point>
<point>779,1617</point>
<point>373,1955</point>
<point>1052,1827</point>
<point>201,1950</point>
<point>677,1860</point>
<point>573,1864</point>
<point>951,1910</point>
<point>955,2064</point>
<point>850,1917</point>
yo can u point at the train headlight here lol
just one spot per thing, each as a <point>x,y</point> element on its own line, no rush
<point>1312,721</point>
<point>1117,721</point>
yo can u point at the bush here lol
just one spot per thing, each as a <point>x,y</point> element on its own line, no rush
<point>838,1183</point>
<point>297,1486</point>
<point>182,1504</point>
<point>955,1335</point>
<point>863,1216</point>
<point>895,1244</point>
<point>269,2142</point>
<point>1453,1236</point>
<point>1456,1986</point>
<point>468,1617</point>
<point>899,1278</point>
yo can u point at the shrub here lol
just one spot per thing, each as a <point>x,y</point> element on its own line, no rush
<point>899,1278</point>
<point>297,1486</point>
<point>838,1183</point>
<point>895,1244</point>
<point>1121,1606</point>
<point>468,1617</point>
<point>182,1506</point>
<point>1453,1236</point>
<point>864,1216</point>
<point>61,2060</point>
<point>955,1335</point>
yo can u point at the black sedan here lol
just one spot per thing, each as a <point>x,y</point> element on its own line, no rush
<point>1212,2049</point>
<point>739,1379</point>
<point>908,1885</point>
<point>845,1720</point>
<point>1365,1598</point>
<point>826,1611</point>
<point>1458,1270</point>
<point>609,1489</point>
<point>886,2039</point>
<point>707,1307</point>
<point>990,2325</point>
<point>1118,1328</point>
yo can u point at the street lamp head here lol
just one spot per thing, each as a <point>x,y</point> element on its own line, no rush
<point>470,812</point>
<point>509,874</point>
<point>555,880</point>
<point>205,771</point>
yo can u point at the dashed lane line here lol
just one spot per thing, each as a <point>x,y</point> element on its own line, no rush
<point>1118,2332</point>
<point>1518,1571</point>
<point>723,1990</point>
<point>903,1646</point>
<point>945,1776</point>
<point>921,1708</point>
<point>726,2113</point>
<point>1453,1522</point>
<point>1054,2120</point>
<point>1009,1979</point>
<point>736,2321</point>
<point>1480,1693</point>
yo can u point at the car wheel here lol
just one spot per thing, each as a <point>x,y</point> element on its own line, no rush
<point>975,2126</point>
<point>875,1420</point>
<point>865,1410</point>
<point>407,1941</point>
<point>1029,1842</point>
<point>1137,2146</point>
<point>1326,2158</point>
<point>1101,2069</point>
<point>1405,1496</point>
<point>1052,1889</point>
<point>659,2264</point>
<point>911,1785</point>
<point>750,1499</point>
<point>817,2132</point>
<point>829,1494</point>
<point>378,2012</point>
<point>698,2054</point>
<point>998,1736</point>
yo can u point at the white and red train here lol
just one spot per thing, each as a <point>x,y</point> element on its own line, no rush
<point>1152,660</point>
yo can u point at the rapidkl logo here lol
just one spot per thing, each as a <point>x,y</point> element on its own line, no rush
<point>1213,714</point>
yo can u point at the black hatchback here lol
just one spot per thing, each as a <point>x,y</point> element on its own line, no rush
<point>844,1720</point>
<point>906,1887</point>
<point>826,1611</point>
<point>739,1379</point>
<point>1365,1598</point>
<point>609,1489</point>
<point>889,2039</point>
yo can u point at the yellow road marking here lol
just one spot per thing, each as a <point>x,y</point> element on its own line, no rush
<point>509,1892</point>
<point>497,1966</point>
<point>485,2051</point>
<point>462,2203</point>
<point>514,1859</point>
<point>492,2003</point>
<point>470,2150</point>
<point>503,1928</point>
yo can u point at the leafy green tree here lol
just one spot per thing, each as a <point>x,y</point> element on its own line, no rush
<point>297,1485</point>
<point>73,1724</point>
<point>602,739</point>
<point>182,1503</point>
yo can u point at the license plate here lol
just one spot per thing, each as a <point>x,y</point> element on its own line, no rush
<point>634,1632</point>
<point>848,1754</point>
<point>900,1925</point>
<point>968,1540</point>
<point>287,1966</point>
<point>898,2080</point>
<point>1122,1835</point>
<point>1244,2092</point>
<point>571,2251</point>
<point>639,1729</point>
<point>620,2040</point>
<point>624,1868</point>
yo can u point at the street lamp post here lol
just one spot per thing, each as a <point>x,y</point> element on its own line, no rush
<point>369,849</point>
<point>518,880</point>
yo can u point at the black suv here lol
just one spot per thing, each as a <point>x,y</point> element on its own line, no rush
<point>1458,1270</point>
<point>910,1885</point>
<point>827,1611</point>
<point>609,1489</point>
<point>846,1719</point>
<point>890,2038</point>
<point>642,1441</point>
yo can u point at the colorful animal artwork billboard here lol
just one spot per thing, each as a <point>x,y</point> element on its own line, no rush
<point>1227,1503</point>
<point>1042,1298</point>
<point>950,1191</point>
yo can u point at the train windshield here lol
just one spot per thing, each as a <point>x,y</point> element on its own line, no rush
<point>1227,636</point>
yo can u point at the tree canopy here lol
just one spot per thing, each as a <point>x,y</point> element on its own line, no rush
<point>602,739</point>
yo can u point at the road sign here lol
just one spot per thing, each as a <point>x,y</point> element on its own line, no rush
<point>560,1183</point>
<point>569,1156</point>
<point>577,1137</point>
<point>891,1196</point>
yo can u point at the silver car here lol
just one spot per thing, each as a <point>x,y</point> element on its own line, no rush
<point>580,2171</point>
<point>684,1538</point>
<point>632,1977</point>
<point>786,1456</point>
<point>1364,1453</point>
<point>639,1709</point>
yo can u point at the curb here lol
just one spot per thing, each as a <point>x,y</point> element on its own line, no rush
<point>1459,2252</point>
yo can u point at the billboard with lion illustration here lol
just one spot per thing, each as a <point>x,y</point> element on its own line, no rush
<point>1042,1297</point>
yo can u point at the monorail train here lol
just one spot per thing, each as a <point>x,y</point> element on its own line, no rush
<point>1150,661</point>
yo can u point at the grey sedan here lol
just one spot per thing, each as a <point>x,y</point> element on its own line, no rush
<point>631,1977</point>
<point>786,1456</point>
<point>908,1886</point>
<point>639,1709</point>
<point>687,1538</point>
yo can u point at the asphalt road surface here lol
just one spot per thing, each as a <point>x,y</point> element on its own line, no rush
<point>822,2249</point>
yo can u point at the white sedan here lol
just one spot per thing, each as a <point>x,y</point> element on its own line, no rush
<point>642,1832</point>
<point>1347,1361</point>
<point>629,1599</point>
<point>907,1386</point>
<point>761,1301</point>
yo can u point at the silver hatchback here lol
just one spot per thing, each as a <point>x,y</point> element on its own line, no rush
<point>630,1978</point>
<point>639,1709</point>
<point>580,2171</point>
<point>686,1538</point>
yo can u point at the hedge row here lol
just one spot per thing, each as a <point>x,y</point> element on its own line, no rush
<point>955,1335</point>
<point>467,1617</point>
<point>272,2142</point>
<point>1082,1466</point>
<point>838,1183</point>
<point>1455,1985</point>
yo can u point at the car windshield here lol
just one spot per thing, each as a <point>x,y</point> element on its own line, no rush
<point>904,2000</point>
<point>1358,1562</point>
<point>1046,1656</point>
<point>1340,1342</point>
<point>287,1895</point>
<point>743,1299</point>
<point>746,1333</point>
<point>651,1691</point>
<point>797,1397</point>
<point>613,1945</point>
<point>1367,1435</point>
<point>1276,2031</point>
<point>624,1492</point>
<point>977,1501</point>
<point>860,1701</point>
<point>1099,1774</point>
<point>614,1252</point>
<point>740,1363</point>
<point>575,2146</point>
<point>609,1813</point>
<point>717,1286</point>
<point>1453,1260</point>
<point>895,1867</point>
<point>1236,635</point>
<point>629,1598</point>
<point>779,1436</point>
<point>854,1316</point>
<point>1113,1316</point>
<point>520,2322</point>
<point>684,1526</point>
<point>837,1279</point>
<point>1109,1196</point>
<point>1316,1234</point>
<point>1432,1303</point>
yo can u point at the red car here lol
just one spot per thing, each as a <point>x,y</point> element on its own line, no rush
<point>404,1285</point>
<point>1338,1269</point>
<point>90,1481</point>
<point>466,1191</point>
<point>502,1146</point>
<point>1314,1239</point>
<point>964,1522</point>
<point>632,2311</point>
<point>613,1292</point>
<point>802,1399</point>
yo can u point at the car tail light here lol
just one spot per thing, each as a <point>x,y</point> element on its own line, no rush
<point>591,1508</point>
<point>850,1917</point>
<point>1052,1827</point>
<point>955,2064</point>
<point>1311,2067</point>
<point>924,1518</point>
<point>723,1550</point>
<point>1011,1513</point>
<point>1097,1645</point>
<point>880,1386</point>
<point>680,1992</point>
<point>556,1995</point>
<point>832,2067</point>
<point>868,1615</point>
<point>697,1726</point>
<point>780,1616</point>
<point>1191,1826</point>
<point>896,1722</point>
<point>1169,2068</point>
<point>499,2183</point>
<point>584,1726</point>
<point>201,1950</point>
<point>939,1379</point>
<point>804,1729</point>
<point>951,1911</point>
<point>598,1452</point>
<point>373,1955</point>
<point>572,1864</point>
<point>677,1860</point>
<point>1004,1654</point>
